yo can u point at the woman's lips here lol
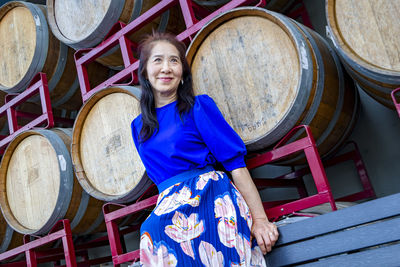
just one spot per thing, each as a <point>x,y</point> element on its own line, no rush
<point>165,79</point>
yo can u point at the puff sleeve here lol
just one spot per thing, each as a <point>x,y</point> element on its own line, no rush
<point>134,131</point>
<point>223,142</point>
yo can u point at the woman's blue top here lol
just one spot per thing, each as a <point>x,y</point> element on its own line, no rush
<point>200,138</point>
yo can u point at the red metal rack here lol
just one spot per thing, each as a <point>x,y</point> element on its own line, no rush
<point>120,32</point>
<point>55,255</point>
<point>355,156</point>
<point>117,254</point>
<point>396,103</point>
<point>37,86</point>
<point>295,178</point>
<point>62,230</point>
<point>281,150</point>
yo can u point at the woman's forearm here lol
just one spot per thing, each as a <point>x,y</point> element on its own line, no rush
<point>266,233</point>
<point>244,183</point>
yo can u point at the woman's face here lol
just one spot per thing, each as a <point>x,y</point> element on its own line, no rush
<point>164,69</point>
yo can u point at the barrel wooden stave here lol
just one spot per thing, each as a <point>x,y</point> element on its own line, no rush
<point>99,17</point>
<point>233,75</point>
<point>36,161</point>
<point>31,48</point>
<point>121,176</point>
<point>317,73</point>
<point>338,108</point>
<point>366,37</point>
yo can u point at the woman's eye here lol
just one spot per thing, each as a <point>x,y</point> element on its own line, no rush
<point>157,59</point>
<point>175,60</point>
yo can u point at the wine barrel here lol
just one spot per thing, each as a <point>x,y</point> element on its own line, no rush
<point>83,24</point>
<point>366,36</point>
<point>28,47</point>
<point>38,188</point>
<point>9,239</point>
<point>106,162</point>
<point>268,73</point>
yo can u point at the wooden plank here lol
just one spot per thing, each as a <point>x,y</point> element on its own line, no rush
<point>384,256</point>
<point>361,237</point>
<point>338,220</point>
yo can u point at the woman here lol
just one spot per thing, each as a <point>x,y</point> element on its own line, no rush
<point>200,218</point>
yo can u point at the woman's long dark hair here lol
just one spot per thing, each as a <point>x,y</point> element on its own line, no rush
<point>185,94</point>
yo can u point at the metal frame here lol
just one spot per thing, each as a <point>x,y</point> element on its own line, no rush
<point>117,254</point>
<point>396,103</point>
<point>37,85</point>
<point>295,178</point>
<point>355,156</point>
<point>281,150</point>
<point>29,247</point>
<point>120,32</point>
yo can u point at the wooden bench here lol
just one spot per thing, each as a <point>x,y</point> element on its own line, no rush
<point>366,234</point>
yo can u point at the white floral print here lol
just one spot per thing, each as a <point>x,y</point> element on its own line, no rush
<point>177,199</point>
<point>184,229</point>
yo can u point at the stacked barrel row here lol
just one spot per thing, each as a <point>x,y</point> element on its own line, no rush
<point>266,72</point>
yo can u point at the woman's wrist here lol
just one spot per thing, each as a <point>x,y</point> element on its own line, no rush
<point>260,218</point>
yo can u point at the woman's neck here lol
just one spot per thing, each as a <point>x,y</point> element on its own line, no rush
<point>164,100</point>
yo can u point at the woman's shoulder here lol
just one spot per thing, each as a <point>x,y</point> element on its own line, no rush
<point>137,122</point>
<point>203,99</point>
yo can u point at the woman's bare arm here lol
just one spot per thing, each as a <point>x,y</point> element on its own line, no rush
<point>262,230</point>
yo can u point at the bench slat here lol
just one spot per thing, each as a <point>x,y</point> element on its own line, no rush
<point>352,216</point>
<point>385,256</point>
<point>378,233</point>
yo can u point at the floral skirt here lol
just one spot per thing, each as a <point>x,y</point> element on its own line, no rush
<point>200,219</point>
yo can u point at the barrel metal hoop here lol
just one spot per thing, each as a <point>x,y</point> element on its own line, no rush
<point>137,10</point>
<point>112,15</point>
<point>62,62</point>
<point>377,98</point>
<point>95,224</point>
<point>41,49</point>
<point>371,84</point>
<point>298,106</point>
<point>59,71</point>
<point>356,111</point>
<point>320,82</point>
<point>66,181</point>
<point>83,205</point>
<point>7,237</point>
<point>211,2</point>
<point>139,189</point>
<point>338,108</point>
<point>340,102</point>
<point>384,76</point>
<point>162,27</point>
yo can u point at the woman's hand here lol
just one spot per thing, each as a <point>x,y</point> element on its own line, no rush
<point>265,233</point>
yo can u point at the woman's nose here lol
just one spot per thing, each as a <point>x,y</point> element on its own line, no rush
<point>165,67</point>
